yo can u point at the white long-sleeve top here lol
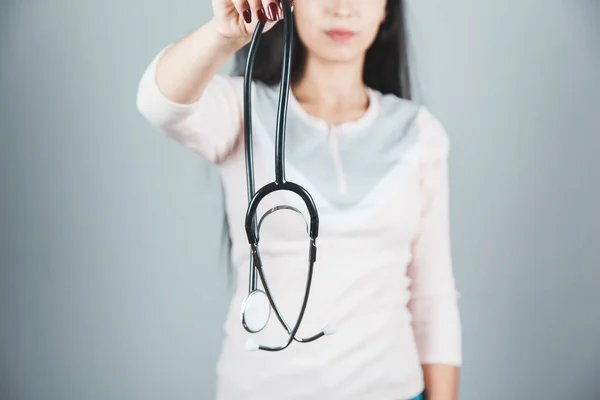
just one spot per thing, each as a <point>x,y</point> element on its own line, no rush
<point>383,274</point>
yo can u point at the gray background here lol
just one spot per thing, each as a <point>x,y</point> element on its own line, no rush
<point>114,255</point>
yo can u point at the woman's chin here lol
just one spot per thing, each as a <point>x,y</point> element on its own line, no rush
<point>339,54</point>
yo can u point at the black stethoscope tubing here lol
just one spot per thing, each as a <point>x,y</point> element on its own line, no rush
<point>279,184</point>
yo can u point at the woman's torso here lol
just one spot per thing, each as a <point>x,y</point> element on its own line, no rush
<point>364,179</point>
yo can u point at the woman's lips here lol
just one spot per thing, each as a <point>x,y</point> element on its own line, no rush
<point>339,35</point>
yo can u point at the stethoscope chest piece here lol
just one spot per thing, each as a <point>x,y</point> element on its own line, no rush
<point>256,311</point>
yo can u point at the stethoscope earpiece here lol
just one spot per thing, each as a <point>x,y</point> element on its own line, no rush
<point>257,306</point>
<point>251,345</point>
<point>329,329</point>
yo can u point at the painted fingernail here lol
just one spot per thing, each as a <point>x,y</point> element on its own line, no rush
<point>261,16</point>
<point>273,12</point>
<point>247,14</point>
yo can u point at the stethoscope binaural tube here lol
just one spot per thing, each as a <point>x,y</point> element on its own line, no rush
<point>257,306</point>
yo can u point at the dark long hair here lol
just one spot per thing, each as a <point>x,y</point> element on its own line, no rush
<point>386,66</point>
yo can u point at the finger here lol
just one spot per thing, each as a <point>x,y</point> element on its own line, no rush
<point>243,9</point>
<point>271,9</point>
<point>280,3</point>
<point>291,3</point>
<point>258,12</point>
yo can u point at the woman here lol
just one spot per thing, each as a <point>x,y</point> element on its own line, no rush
<point>376,166</point>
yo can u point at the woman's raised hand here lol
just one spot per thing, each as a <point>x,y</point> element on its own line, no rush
<point>236,19</point>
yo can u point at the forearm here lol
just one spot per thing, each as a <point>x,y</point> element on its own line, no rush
<point>441,381</point>
<point>184,70</point>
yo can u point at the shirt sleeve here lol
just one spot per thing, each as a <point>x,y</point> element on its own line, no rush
<point>210,126</point>
<point>434,298</point>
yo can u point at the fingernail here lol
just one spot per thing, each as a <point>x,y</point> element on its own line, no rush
<point>273,12</point>
<point>261,16</point>
<point>247,14</point>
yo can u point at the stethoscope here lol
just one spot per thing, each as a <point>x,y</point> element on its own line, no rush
<point>257,305</point>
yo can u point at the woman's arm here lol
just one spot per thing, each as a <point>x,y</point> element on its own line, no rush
<point>181,94</point>
<point>441,381</point>
<point>434,298</point>
<point>186,67</point>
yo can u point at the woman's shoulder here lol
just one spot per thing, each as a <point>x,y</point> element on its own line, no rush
<point>409,113</point>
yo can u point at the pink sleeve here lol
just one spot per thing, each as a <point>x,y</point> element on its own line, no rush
<point>434,298</point>
<point>210,127</point>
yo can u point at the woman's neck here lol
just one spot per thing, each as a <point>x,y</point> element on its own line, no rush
<point>333,92</point>
<point>331,84</point>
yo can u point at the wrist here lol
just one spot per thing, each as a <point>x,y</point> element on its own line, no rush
<point>228,44</point>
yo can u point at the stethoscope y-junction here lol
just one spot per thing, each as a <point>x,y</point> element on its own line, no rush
<point>257,306</point>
